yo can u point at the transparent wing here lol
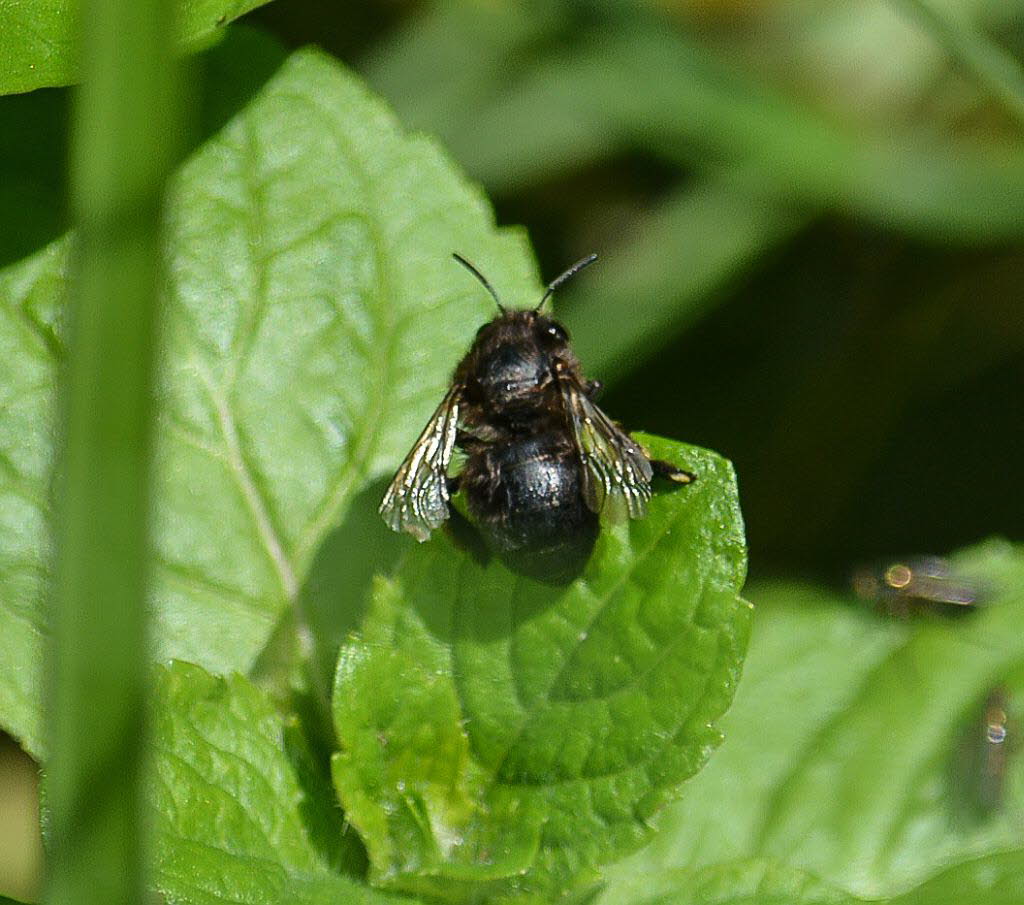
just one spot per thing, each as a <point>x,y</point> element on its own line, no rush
<point>616,472</point>
<point>417,500</point>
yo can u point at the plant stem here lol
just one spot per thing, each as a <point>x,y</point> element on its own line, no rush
<point>123,146</point>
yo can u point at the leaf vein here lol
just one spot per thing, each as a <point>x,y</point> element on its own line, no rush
<point>250,492</point>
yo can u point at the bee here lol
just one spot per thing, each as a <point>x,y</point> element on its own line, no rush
<point>542,461</point>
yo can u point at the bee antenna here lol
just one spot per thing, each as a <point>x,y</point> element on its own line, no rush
<point>481,278</point>
<point>558,281</point>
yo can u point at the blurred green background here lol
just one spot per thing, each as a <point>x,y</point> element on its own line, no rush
<point>810,215</point>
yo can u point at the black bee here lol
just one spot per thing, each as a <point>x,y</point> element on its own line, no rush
<point>542,460</point>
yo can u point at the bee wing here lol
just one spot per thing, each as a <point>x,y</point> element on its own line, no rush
<point>616,473</point>
<point>417,499</point>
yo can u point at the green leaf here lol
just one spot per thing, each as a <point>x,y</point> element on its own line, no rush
<point>231,817</point>
<point>38,46</point>
<point>992,880</point>
<point>313,314</point>
<point>757,882</point>
<point>844,753</point>
<point>503,736</point>
<point>29,348</point>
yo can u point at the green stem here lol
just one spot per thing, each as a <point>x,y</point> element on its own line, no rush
<point>122,150</point>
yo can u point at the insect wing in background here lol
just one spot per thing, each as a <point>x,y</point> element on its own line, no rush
<point>417,499</point>
<point>915,585</point>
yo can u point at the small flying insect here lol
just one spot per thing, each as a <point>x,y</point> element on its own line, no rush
<point>917,584</point>
<point>983,758</point>
<point>542,460</point>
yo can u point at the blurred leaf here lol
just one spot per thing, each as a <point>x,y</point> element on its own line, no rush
<point>992,880</point>
<point>313,316</point>
<point>38,43</point>
<point>858,781</point>
<point>739,883</point>
<point>477,45</point>
<point>230,815</point>
<point>993,68</point>
<point>666,275</point>
<point>646,87</point>
<point>504,736</point>
<point>668,270</point>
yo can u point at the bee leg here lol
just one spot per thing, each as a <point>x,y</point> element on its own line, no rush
<point>667,470</point>
<point>593,389</point>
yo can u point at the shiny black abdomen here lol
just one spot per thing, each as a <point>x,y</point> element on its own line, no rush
<point>526,497</point>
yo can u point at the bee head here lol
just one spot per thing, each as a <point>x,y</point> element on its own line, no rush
<point>515,353</point>
<point>549,333</point>
<point>524,325</point>
<point>512,358</point>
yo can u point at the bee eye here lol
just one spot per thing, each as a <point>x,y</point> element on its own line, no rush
<point>556,332</point>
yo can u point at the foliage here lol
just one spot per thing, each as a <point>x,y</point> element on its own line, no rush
<point>309,332</point>
<point>504,735</point>
<point>344,716</point>
<point>233,818</point>
<point>845,750</point>
<point>38,37</point>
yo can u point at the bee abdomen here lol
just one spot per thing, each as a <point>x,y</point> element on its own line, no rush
<point>526,498</point>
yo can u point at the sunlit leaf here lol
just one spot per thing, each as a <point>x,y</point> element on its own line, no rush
<point>38,41</point>
<point>313,316</point>
<point>501,735</point>
<point>232,820</point>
